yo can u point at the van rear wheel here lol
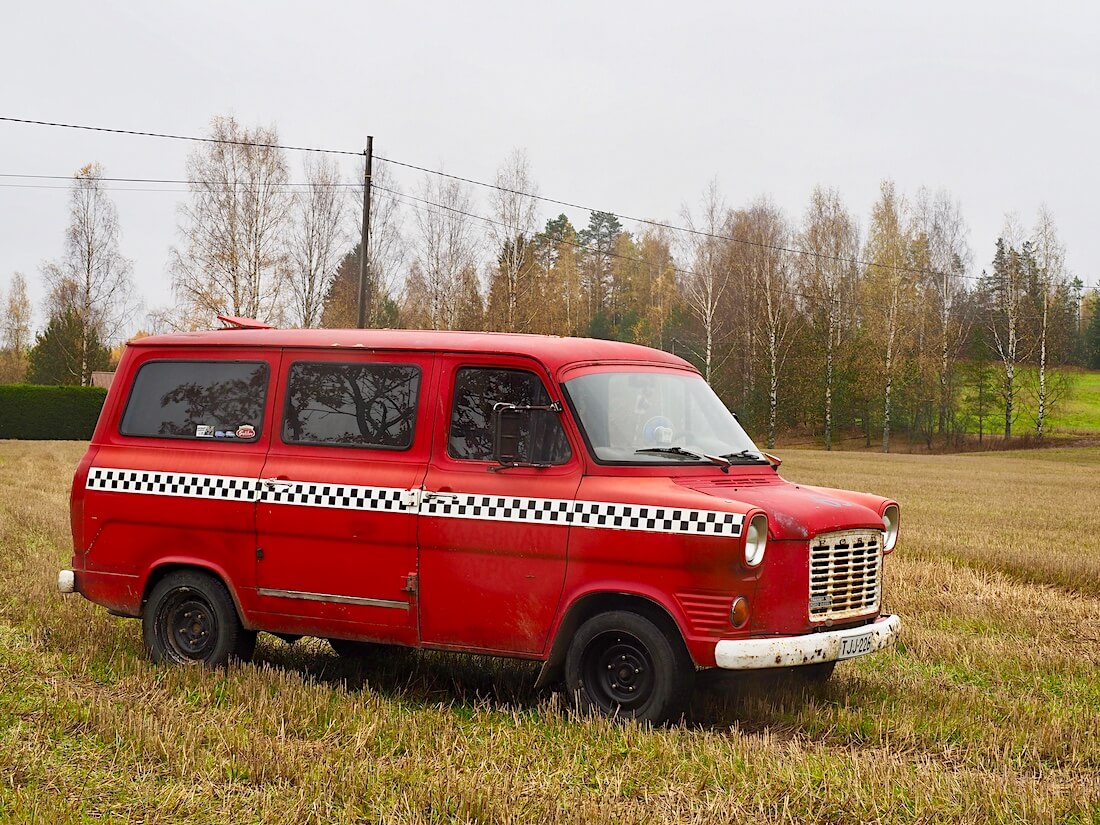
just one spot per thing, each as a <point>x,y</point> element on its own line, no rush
<point>190,618</point>
<point>620,664</point>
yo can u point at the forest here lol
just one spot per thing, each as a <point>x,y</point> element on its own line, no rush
<point>893,330</point>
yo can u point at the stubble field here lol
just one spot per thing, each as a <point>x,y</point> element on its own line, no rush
<point>988,710</point>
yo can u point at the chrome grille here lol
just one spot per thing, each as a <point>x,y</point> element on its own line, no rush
<point>845,575</point>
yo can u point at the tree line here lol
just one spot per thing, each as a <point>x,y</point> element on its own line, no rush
<point>812,324</point>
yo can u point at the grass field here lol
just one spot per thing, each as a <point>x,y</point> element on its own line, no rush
<point>1075,404</point>
<point>988,711</point>
<point>1080,411</point>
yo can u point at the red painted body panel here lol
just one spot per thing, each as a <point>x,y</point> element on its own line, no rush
<point>491,585</point>
<point>501,586</point>
<point>338,551</point>
<point>130,535</point>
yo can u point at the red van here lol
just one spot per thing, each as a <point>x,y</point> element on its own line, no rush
<point>588,504</point>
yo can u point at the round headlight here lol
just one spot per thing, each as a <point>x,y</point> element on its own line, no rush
<point>890,517</point>
<point>756,539</point>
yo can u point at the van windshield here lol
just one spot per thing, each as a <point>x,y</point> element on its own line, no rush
<point>641,417</point>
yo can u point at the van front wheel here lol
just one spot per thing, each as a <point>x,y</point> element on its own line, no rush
<point>622,665</point>
<point>190,618</point>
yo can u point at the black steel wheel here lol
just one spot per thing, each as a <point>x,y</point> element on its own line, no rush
<point>622,665</point>
<point>190,618</point>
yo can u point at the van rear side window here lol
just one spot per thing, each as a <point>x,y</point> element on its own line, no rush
<point>216,400</point>
<point>352,405</point>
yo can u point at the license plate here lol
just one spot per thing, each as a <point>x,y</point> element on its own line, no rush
<point>855,645</point>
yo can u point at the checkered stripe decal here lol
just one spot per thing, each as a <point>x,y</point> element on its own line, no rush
<point>598,514</point>
<point>303,494</point>
<point>148,482</point>
<point>593,514</point>
<point>498,508</point>
<point>342,496</point>
<point>654,519</point>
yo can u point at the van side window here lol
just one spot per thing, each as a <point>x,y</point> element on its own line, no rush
<point>351,405</point>
<point>217,400</point>
<point>476,391</point>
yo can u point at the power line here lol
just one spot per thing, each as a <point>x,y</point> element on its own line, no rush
<point>673,227</point>
<point>568,204</point>
<point>191,138</point>
<point>671,267</point>
<point>179,181</point>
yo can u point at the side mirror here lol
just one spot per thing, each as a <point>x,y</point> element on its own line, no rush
<point>509,427</point>
<point>520,434</point>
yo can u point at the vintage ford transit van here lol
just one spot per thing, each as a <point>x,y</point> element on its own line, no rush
<point>588,504</point>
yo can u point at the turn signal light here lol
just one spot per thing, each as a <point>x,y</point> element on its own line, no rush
<point>739,613</point>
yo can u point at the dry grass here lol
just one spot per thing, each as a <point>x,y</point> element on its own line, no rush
<point>988,712</point>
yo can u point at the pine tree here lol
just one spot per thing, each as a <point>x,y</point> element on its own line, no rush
<point>56,357</point>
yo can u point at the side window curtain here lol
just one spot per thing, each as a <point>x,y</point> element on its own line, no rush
<point>477,390</point>
<point>352,405</point>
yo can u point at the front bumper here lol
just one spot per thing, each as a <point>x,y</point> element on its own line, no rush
<point>791,651</point>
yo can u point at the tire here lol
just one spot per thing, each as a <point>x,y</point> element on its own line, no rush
<point>621,665</point>
<point>190,618</point>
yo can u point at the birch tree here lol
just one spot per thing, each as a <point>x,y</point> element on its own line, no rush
<point>829,278</point>
<point>234,227</point>
<point>92,280</point>
<point>705,284</point>
<point>767,232</point>
<point>316,236</point>
<point>1005,299</point>
<point>515,215</point>
<point>15,329</point>
<point>944,253</point>
<point>1050,256</point>
<point>888,290</point>
<point>445,249</point>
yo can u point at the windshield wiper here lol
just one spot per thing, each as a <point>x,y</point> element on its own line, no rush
<point>676,451</point>
<point>680,452</point>
<point>751,456</point>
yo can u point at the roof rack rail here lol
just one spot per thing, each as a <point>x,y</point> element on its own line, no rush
<point>233,322</point>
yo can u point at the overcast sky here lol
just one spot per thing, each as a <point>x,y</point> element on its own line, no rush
<point>628,107</point>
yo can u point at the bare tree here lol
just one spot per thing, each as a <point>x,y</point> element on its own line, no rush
<point>1050,257</point>
<point>385,264</point>
<point>767,232</point>
<point>445,248</point>
<point>829,280</point>
<point>943,251</point>
<point>234,260</point>
<point>706,283</point>
<point>17,317</point>
<point>889,286</point>
<point>1006,305</point>
<point>515,215</point>
<point>15,331</point>
<point>93,278</point>
<point>316,235</point>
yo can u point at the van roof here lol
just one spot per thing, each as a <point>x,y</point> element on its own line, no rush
<point>553,351</point>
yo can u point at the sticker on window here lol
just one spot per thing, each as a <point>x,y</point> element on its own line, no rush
<point>246,431</point>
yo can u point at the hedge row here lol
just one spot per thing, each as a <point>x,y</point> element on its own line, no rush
<point>31,411</point>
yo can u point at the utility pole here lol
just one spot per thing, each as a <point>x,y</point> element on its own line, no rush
<point>364,243</point>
